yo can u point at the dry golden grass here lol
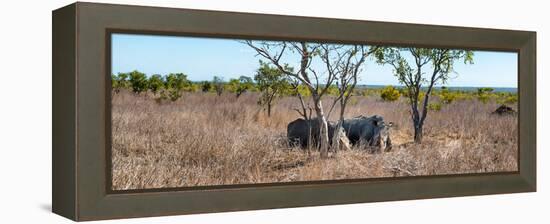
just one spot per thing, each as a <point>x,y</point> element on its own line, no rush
<point>203,139</point>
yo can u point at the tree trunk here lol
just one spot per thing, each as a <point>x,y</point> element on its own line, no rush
<point>422,117</point>
<point>418,133</point>
<point>417,124</point>
<point>269,109</point>
<point>323,135</point>
<point>336,135</point>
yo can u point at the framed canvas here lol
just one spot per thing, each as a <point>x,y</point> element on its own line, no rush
<point>164,111</point>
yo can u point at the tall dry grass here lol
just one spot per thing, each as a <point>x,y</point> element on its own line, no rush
<point>203,139</point>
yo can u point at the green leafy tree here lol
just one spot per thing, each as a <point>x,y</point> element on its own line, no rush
<point>192,87</point>
<point>174,83</point>
<point>246,84</point>
<point>218,85</point>
<point>415,74</point>
<point>138,81</point>
<point>511,99</point>
<point>484,94</point>
<point>434,106</point>
<point>271,82</point>
<point>155,83</point>
<point>240,85</point>
<point>447,96</point>
<point>389,93</point>
<point>206,86</point>
<point>120,81</point>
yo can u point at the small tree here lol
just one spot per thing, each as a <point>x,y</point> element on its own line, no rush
<point>240,85</point>
<point>218,85</point>
<point>484,94</point>
<point>246,84</point>
<point>440,67</point>
<point>206,86</point>
<point>155,83</point>
<point>138,81</point>
<point>447,96</point>
<point>119,82</point>
<point>301,92</point>
<point>344,63</point>
<point>389,93</point>
<point>174,83</point>
<point>271,82</point>
<point>192,87</point>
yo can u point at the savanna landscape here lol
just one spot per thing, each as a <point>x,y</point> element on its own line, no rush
<point>170,131</point>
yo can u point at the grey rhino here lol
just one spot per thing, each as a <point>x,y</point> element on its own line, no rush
<point>300,130</point>
<point>369,131</point>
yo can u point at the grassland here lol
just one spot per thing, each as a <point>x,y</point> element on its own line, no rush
<point>203,139</point>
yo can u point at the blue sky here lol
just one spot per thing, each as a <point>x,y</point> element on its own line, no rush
<point>203,58</point>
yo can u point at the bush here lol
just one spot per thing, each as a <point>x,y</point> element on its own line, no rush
<point>434,106</point>
<point>138,81</point>
<point>174,83</point>
<point>389,93</point>
<point>333,90</point>
<point>120,81</point>
<point>240,85</point>
<point>218,85</point>
<point>170,94</point>
<point>370,92</point>
<point>206,86</point>
<point>447,97</point>
<point>155,83</point>
<point>508,99</point>
<point>484,94</point>
<point>193,87</point>
<point>353,101</point>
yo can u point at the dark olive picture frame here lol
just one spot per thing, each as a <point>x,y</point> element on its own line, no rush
<point>81,111</point>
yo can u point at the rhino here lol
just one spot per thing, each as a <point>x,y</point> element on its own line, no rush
<point>369,131</point>
<point>300,130</point>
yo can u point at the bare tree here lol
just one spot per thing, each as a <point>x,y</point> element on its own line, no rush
<point>305,111</point>
<point>343,62</point>
<point>317,85</point>
<point>440,66</point>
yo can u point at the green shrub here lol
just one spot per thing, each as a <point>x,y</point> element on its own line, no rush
<point>434,106</point>
<point>448,97</point>
<point>389,93</point>
<point>138,81</point>
<point>174,83</point>
<point>369,92</point>
<point>171,94</point>
<point>193,87</point>
<point>484,98</point>
<point>303,90</point>
<point>155,83</point>
<point>484,94</point>
<point>333,90</point>
<point>511,99</point>
<point>206,86</point>
<point>120,81</point>
<point>508,99</point>
<point>353,101</point>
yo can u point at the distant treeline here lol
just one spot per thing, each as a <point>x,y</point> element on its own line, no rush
<point>171,86</point>
<point>450,88</point>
